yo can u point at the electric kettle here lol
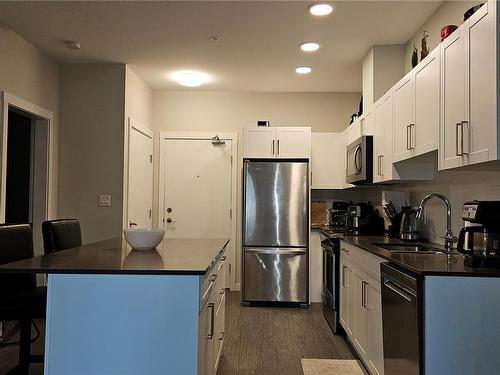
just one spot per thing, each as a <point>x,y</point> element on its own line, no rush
<point>411,225</point>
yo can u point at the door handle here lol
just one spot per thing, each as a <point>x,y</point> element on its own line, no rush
<point>273,148</point>
<point>343,276</point>
<point>362,294</point>
<point>278,147</point>
<point>279,252</point>
<point>356,166</point>
<point>210,334</point>
<point>132,224</point>
<point>457,132</point>
<point>398,290</point>
<point>412,126</point>
<point>466,125</point>
<point>407,136</point>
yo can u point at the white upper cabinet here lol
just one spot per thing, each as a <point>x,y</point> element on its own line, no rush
<point>403,100</point>
<point>259,142</point>
<point>416,110</point>
<point>278,142</point>
<point>382,140</point>
<point>293,142</point>
<point>368,123</point>
<point>469,130</point>
<point>325,160</point>
<point>425,129</point>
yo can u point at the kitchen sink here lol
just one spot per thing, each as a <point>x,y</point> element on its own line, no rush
<point>409,248</point>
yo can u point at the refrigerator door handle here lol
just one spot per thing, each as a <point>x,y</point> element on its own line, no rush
<point>279,252</point>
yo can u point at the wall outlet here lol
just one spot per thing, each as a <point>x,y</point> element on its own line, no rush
<point>104,200</point>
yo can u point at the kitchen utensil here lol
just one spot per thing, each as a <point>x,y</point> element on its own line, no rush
<point>447,30</point>
<point>143,238</point>
<point>471,11</point>
<point>411,225</point>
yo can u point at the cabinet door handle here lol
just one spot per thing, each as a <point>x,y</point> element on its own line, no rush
<point>365,301</point>
<point>407,137</point>
<point>343,277</point>
<point>362,294</point>
<point>273,148</point>
<point>221,336</point>
<point>412,126</point>
<point>278,147</point>
<point>457,132</point>
<point>466,125</point>
<point>210,334</point>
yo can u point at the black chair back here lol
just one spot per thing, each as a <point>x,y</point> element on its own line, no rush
<point>16,243</point>
<point>60,235</point>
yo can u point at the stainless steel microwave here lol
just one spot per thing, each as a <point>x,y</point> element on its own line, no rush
<point>360,161</point>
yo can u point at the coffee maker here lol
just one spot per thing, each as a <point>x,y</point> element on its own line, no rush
<point>479,239</point>
<point>363,219</point>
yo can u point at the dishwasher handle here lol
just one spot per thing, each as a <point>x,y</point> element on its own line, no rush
<point>398,290</point>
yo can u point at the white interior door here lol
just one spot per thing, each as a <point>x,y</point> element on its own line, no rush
<point>197,188</point>
<point>140,175</point>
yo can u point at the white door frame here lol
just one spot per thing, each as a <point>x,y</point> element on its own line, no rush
<point>133,124</point>
<point>228,137</point>
<point>8,100</point>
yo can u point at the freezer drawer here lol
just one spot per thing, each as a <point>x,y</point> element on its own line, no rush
<point>275,275</point>
<point>275,205</point>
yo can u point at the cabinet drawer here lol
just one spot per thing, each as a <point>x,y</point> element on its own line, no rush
<point>366,261</point>
<point>212,279</point>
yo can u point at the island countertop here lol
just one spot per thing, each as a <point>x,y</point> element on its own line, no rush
<point>180,256</point>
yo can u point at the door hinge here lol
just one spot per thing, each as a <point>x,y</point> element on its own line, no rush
<point>151,158</point>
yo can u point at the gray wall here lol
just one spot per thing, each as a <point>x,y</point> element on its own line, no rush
<point>449,13</point>
<point>91,146</point>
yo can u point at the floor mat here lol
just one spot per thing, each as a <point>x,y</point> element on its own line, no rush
<point>332,367</point>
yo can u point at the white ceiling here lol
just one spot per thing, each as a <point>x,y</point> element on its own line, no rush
<point>258,47</point>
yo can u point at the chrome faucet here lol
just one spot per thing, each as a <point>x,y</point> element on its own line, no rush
<point>449,238</point>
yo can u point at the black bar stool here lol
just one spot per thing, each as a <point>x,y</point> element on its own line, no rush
<point>22,300</point>
<point>61,234</point>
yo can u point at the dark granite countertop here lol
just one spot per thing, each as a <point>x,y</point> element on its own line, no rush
<point>421,264</point>
<point>173,256</point>
<point>441,264</point>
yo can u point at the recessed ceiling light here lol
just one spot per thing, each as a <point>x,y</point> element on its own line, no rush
<point>303,69</point>
<point>309,46</point>
<point>190,78</point>
<point>321,9</point>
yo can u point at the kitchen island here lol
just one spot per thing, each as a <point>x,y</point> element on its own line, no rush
<point>111,310</point>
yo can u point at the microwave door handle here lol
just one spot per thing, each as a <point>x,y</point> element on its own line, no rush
<point>356,166</point>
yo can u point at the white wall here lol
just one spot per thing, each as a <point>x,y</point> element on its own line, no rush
<point>138,106</point>
<point>187,111</point>
<point>91,146</point>
<point>31,75</point>
<point>449,13</point>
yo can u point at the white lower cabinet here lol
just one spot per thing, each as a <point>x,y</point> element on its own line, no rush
<point>361,305</point>
<point>212,319</point>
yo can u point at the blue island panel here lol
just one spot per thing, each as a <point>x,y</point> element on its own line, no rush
<point>122,325</point>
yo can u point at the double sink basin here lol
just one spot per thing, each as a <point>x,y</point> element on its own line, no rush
<point>413,248</point>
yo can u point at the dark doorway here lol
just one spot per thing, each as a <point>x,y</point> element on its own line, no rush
<point>19,161</point>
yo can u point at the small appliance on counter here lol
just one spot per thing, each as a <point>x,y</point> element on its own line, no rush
<point>337,216</point>
<point>479,239</point>
<point>411,225</point>
<point>363,219</point>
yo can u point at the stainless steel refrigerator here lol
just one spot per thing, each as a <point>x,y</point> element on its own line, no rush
<point>275,231</point>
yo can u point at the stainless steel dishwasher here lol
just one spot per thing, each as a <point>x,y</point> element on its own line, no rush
<point>401,319</point>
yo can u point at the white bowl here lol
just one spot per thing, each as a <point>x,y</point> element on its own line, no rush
<point>144,238</point>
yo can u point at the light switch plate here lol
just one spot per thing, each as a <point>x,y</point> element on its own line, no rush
<point>104,200</point>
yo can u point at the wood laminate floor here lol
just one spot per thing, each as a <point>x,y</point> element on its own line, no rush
<point>272,340</point>
<point>259,341</point>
